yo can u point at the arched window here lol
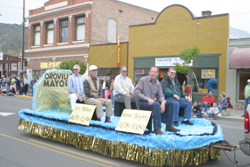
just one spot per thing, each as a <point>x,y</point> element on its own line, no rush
<point>111,31</point>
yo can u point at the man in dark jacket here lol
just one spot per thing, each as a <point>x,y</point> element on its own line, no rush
<point>173,92</point>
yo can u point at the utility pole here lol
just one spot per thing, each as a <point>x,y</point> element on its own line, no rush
<point>23,34</point>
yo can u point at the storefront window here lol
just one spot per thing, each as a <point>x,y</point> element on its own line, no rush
<point>139,73</point>
<point>243,77</point>
<point>204,80</point>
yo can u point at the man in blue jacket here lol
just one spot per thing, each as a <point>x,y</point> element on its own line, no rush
<point>173,92</point>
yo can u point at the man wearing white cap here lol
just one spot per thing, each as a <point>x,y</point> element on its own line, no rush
<point>75,86</point>
<point>247,96</point>
<point>94,93</point>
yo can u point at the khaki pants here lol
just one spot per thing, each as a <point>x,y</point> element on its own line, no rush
<point>123,99</point>
<point>98,103</point>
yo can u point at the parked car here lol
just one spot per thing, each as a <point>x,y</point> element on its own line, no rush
<point>245,144</point>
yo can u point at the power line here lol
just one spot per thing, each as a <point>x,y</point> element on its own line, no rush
<point>10,18</point>
<point>13,7</point>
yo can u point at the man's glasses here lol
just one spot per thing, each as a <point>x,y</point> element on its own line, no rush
<point>125,71</point>
<point>75,69</point>
<point>173,72</point>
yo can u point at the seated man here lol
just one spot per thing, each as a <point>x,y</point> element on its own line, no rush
<point>94,93</point>
<point>207,101</point>
<point>173,92</point>
<point>149,93</point>
<point>75,86</point>
<point>124,89</point>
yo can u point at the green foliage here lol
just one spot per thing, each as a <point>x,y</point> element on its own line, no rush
<point>187,55</point>
<point>13,53</point>
<point>11,37</point>
<point>69,63</point>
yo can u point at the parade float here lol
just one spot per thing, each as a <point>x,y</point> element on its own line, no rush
<point>50,119</point>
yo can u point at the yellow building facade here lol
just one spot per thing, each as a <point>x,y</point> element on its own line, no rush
<point>175,29</point>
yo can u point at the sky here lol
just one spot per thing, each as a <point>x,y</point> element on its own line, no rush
<point>11,11</point>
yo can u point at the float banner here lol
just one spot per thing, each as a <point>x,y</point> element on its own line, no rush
<point>133,121</point>
<point>65,106</point>
<point>49,89</point>
<point>82,114</point>
<point>118,51</point>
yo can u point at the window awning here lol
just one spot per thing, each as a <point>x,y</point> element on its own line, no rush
<point>240,59</point>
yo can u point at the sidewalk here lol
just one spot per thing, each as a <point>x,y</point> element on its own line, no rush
<point>235,115</point>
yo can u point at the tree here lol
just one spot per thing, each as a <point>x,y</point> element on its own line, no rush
<point>69,63</point>
<point>13,53</point>
<point>187,55</point>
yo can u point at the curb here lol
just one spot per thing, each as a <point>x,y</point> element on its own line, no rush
<point>30,97</point>
<point>240,119</point>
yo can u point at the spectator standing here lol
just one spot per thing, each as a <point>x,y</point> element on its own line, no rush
<point>7,83</point>
<point>124,89</point>
<point>21,86</point>
<point>207,100</point>
<point>106,95</point>
<point>247,96</point>
<point>32,82</point>
<point>1,81</point>
<point>75,87</point>
<point>17,85</point>
<point>105,84</point>
<point>111,90</point>
<point>26,85</point>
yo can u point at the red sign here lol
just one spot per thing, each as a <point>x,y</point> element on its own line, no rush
<point>139,71</point>
<point>118,51</point>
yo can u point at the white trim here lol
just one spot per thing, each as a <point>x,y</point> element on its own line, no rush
<point>35,46</point>
<point>80,46</point>
<point>62,43</point>
<point>71,7</point>
<point>84,55</point>
<point>78,41</point>
<point>48,45</point>
<point>56,5</point>
<point>60,17</point>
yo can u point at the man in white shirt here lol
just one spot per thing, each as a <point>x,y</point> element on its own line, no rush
<point>75,86</point>
<point>124,89</point>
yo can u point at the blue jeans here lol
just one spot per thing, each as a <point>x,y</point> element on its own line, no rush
<point>181,103</point>
<point>211,115</point>
<point>156,112</point>
<point>206,105</point>
<point>196,113</point>
<point>221,107</point>
<point>245,104</point>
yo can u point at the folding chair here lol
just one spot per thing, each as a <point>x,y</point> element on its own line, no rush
<point>226,110</point>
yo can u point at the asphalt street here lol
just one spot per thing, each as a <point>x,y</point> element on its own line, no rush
<point>20,149</point>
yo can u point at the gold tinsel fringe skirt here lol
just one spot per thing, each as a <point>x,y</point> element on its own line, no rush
<point>132,152</point>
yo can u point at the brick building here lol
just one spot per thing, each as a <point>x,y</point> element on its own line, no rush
<point>64,29</point>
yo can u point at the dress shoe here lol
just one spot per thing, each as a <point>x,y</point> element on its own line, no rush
<point>99,119</point>
<point>186,122</point>
<point>176,123</point>
<point>108,119</point>
<point>158,132</point>
<point>171,129</point>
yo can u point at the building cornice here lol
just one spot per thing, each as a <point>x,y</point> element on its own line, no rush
<point>78,55</point>
<point>64,9</point>
<point>66,47</point>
